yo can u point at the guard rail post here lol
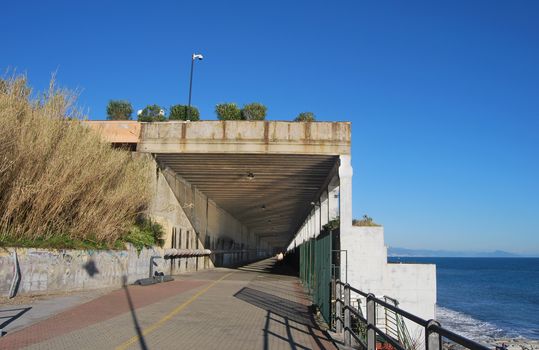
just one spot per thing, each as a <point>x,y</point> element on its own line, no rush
<point>371,322</point>
<point>347,323</point>
<point>433,340</point>
<point>338,307</point>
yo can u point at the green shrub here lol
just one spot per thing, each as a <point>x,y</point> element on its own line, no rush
<point>119,110</point>
<point>332,224</point>
<point>254,111</point>
<point>152,113</point>
<point>305,117</point>
<point>228,111</point>
<point>182,112</point>
<point>145,233</point>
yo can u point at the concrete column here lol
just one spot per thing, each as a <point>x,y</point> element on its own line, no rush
<point>345,193</point>
<point>311,224</point>
<point>324,208</point>
<point>317,220</point>
<point>309,227</point>
<point>333,198</point>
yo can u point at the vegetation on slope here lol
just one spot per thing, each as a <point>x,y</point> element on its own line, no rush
<point>58,179</point>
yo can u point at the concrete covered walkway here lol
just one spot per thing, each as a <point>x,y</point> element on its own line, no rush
<point>259,306</point>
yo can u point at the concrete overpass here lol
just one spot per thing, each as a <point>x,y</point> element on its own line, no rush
<point>241,185</point>
<point>248,189</point>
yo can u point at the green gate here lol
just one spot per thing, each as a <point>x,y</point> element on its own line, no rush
<point>315,271</point>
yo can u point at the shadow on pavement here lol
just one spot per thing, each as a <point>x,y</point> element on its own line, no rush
<point>288,311</point>
<point>271,266</point>
<point>140,336</point>
<point>8,317</point>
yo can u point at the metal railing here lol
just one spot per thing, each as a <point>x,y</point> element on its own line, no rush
<point>367,333</point>
<point>395,326</point>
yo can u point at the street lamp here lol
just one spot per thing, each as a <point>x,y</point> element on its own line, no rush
<point>195,56</point>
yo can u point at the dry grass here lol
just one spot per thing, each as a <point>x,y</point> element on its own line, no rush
<point>365,221</point>
<point>56,176</point>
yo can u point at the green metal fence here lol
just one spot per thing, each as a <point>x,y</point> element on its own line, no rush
<point>315,271</point>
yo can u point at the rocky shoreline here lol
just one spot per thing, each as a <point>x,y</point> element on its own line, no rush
<point>515,344</point>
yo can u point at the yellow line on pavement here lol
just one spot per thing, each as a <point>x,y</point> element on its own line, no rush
<point>171,314</point>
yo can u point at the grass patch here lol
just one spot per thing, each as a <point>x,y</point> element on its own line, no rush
<point>143,234</point>
<point>146,233</point>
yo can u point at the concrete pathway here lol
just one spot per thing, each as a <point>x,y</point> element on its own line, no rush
<point>258,306</point>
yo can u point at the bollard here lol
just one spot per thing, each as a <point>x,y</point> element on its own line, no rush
<point>433,340</point>
<point>371,322</point>
<point>153,263</point>
<point>347,325</point>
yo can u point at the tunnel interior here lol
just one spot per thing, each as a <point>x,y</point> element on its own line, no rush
<point>242,206</point>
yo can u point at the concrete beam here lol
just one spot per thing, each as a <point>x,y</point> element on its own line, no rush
<point>327,138</point>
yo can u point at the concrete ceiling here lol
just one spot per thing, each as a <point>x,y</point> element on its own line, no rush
<point>269,193</point>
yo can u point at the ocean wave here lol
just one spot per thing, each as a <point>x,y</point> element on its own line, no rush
<point>470,327</point>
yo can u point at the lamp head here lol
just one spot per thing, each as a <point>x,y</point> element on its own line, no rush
<point>197,56</point>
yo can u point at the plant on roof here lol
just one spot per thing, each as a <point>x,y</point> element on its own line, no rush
<point>152,113</point>
<point>183,112</point>
<point>254,111</point>
<point>119,110</point>
<point>365,221</point>
<point>228,111</point>
<point>305,117</point>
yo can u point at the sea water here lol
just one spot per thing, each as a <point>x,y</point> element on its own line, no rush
<point>486,298</point>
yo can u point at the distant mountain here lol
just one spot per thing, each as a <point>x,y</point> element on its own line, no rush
<point>394,251</point>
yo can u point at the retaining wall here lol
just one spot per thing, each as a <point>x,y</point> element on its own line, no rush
<point>47,271</point>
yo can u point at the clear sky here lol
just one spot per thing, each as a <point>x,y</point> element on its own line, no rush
<point>443,96</point>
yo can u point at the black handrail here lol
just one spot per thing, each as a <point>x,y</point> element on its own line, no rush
<point>430,327</point>
<point>459,339</point>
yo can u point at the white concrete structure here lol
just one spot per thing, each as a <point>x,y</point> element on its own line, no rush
<point>366,267</point>
<point>413,285</point>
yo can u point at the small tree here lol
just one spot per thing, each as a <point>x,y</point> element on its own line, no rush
<point>305,117</point>
<point>182,112</point>
<point>254,111</point>
<point>152,113</point>
<point>119,110</point>
<point>228,111</point>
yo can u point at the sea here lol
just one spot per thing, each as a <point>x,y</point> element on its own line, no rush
<point>486,298</point>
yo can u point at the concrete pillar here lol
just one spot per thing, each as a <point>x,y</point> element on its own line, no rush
<point>345,193</point>
<point>311,224</point>
<point>324,210</point>
<point>333,198</point>
<point>317,219</point>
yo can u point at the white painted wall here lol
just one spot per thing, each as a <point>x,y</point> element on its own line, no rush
<point>413,285</point>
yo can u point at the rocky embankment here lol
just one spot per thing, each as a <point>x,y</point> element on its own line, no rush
<point>516,344</point>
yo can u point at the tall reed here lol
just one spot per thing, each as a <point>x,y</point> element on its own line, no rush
<point>57,177</point>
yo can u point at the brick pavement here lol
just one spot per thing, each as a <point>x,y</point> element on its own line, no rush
<point>246,308</point>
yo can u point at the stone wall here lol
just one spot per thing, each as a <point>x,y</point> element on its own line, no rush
<point>48,271</point>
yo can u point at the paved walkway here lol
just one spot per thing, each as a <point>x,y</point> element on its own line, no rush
<point>255,307</point>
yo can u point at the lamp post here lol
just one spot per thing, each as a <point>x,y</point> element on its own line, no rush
<point>195,56</point>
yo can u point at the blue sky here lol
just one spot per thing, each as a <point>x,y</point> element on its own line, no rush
<point>443,96</point>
